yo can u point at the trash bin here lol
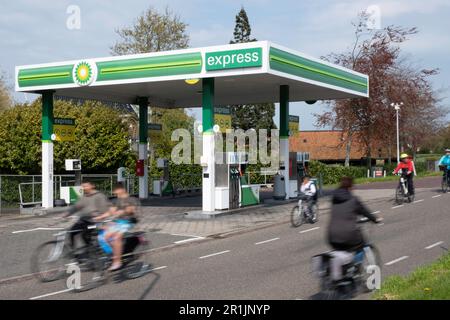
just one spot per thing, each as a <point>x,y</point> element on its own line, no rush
<point>279,187</point>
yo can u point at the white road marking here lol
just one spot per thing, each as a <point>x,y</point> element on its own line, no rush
<point>265,241</point>
<point>37,229</point>
<point>158,268</point>
<point>437,196</point>
<point>307,230</point>
<point>50,294</point>
<point>214,254</point>
<point>396,260</point>
<point>418,201</point>
<point>397,206</point>
<point>434,245</point>
<point>188,240</point>
<point>375,212</point>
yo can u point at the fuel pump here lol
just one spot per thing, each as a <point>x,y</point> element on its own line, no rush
<point>163,185</point>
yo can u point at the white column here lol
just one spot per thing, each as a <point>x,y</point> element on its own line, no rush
<point>208,163</point>
<point>284,157</point>
<point>47,174</point>
<point>143,180</point>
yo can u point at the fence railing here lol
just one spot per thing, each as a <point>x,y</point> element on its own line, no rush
<point>20,190</point>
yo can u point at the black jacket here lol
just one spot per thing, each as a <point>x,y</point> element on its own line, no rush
<point>343,231</point>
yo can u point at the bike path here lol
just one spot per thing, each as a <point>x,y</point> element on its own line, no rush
<point>250,266</point>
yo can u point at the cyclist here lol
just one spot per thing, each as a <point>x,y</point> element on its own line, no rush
<point>445,162</point>
<point>308,192</point>
<point>407,168</point>
<point>91,204</point>
<point>123,213</point>
<point>344,234</point>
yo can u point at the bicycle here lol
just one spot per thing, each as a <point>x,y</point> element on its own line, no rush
<point>93,260</point>
<point>355,274</point>
<point>445,184</point>
<point>303,211</point>
<point>402,193</point>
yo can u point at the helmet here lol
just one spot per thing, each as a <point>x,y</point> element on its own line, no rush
<point>403,156</point>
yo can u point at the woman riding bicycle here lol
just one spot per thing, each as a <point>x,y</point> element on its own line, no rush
<point>407,168</point>
<point>123,213</point>
<point>445,162</point>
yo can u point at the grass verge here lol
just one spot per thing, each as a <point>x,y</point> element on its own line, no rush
<point>430,282</point>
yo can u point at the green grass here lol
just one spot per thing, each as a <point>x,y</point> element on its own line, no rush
<point>430,282</point>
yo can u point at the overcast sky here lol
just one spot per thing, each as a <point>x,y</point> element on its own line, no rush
<point>36,32</point>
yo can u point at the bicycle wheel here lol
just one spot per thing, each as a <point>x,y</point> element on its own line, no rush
<point>314,213</point>
<point>94,276</point>
<point>297,216</point>
<point>135,263</point>
<point>399,196</point>
<point>444,185</point>
<point>49,261</point>
<point>371,259</point>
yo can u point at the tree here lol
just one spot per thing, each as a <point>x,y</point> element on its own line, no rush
<point>153,32</point>
<point>375,53</point>
<point>101,138</point>
<point>249,116</point>
<point>242,29</point>
<point>5,99</point>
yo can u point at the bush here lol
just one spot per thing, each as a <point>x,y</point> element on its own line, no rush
<point>332,174</point>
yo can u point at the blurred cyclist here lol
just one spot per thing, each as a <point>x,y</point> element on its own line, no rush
<point>308,192</point>
<point>445,162</point>
<point>123,212</point>
<point>90,205</point>
<point>407,168</point>
<point>344,234</point>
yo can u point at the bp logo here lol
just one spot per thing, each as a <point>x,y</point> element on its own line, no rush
<point>84,73</point>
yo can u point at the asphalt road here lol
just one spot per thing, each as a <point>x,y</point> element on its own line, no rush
<point>271,263</point>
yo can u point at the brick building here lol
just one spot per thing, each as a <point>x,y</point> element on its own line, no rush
<point>329,147</point>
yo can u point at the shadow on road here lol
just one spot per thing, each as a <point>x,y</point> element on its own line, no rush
<point>150,287</point>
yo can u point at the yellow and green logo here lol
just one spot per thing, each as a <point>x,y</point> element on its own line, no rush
<point>84,73</point>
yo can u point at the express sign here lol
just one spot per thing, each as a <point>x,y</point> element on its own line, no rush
<point>232,59</point>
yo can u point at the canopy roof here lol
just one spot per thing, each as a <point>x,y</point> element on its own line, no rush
<point>244,73</point>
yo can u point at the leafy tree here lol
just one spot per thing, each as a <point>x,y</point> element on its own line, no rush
<point>5,99</point>
<point>249,116</point>
<point>377,54</point>
<point>101,138</point>
<point>153,31</point>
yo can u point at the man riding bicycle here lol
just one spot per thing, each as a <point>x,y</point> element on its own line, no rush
<point>91,204</point>
<point>308,192</point>
<point>445,162</point>
<point>407,168</point>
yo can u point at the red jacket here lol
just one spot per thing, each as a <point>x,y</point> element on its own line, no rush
<point>404,165</point>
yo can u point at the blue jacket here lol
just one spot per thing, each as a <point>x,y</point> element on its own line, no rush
<point>445,161</point>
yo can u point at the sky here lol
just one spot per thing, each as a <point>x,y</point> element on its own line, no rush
<point>36,31</point>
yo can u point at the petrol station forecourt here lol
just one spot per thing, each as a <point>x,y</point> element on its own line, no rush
<point>244,73</point>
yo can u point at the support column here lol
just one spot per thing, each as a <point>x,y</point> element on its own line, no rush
<point>284,134</point>
<point>143,145</point>
<point>208,157</point>
<point>47,149</point>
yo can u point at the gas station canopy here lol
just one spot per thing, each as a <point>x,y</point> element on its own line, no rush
<point>244,73</point>
<point>255,72</point>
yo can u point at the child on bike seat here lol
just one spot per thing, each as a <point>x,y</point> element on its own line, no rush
<point>308,191</point>
<point>123,213</point>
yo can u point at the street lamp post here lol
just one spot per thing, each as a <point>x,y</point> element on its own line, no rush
<point>397,109</point>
